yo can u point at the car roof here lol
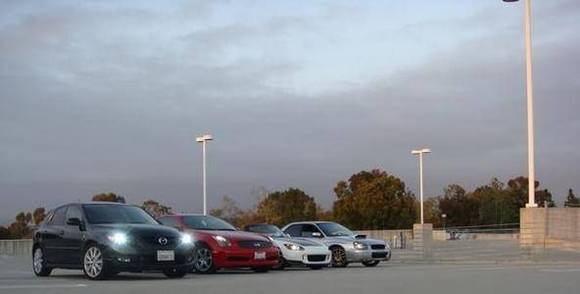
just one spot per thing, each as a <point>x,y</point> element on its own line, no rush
<point>308,222</point>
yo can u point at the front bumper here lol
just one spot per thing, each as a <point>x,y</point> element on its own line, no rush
<point>310,256</point>
<point>354,255</point>
<point>146,259</point>
<point>243,257</point>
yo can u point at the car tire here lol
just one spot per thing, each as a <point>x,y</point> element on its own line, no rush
<point>94,264</point>
<point>338,257</point>
<point>203,259</point>
<point>175,273</point>
<point>261,269</point>
<point>370,263</point>
<point>281,264</point>
<point>39,264</point>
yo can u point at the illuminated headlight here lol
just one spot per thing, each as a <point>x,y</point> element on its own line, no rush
<point>359,245</point>
<point>293,247</point>
<point>222,241</point>
<point>118,238</point>
<point>186,239</point>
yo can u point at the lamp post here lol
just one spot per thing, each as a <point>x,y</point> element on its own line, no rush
<point>420,152</point>
<point>203,140</point>
<point>530,101</point>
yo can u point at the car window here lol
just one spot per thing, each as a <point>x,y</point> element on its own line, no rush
<point>202,222</point>
<point>117,214</point>
<point>73,212</point>
<point>58,217</point>
<point>169,221</point>
<point>294,230</point>
<point>308,230</point>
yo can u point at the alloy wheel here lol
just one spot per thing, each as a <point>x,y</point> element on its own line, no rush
<point>37,261</point>
<point>93,262</point>
<point>338,257</point>
<point>203,260</point>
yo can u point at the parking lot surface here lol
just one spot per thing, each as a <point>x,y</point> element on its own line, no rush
<point>16,277</point>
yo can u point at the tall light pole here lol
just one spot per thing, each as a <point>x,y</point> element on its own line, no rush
<point>203,140</point>
<point>420,152</point>
<point>530,101</point>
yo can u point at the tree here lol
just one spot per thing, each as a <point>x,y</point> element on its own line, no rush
<point>518,189</point>
<point>281,208</point>
<point>109,197</point>
<point>155,208</point>
<point>495,204</point>
<point>432,211</point>
<point>5,233</point>
<point>572,200</point>
<point>374,200</point>
<point>20,228</point>
<point>228,210</point>
<point>460,208</point>
<point>38,215</point>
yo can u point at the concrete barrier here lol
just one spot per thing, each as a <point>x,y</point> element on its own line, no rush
<point>16,247</point>
<point>550,228</point>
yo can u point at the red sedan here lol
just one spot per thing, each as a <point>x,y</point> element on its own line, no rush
<point>220,245</point>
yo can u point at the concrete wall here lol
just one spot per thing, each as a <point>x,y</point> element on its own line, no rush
<point>550,227</point>
<point>16,247</point>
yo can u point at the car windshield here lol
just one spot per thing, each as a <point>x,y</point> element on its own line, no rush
<point>201,222</point>
<point>334,229</point>
<point>117,214</point>
<point>270,230</point>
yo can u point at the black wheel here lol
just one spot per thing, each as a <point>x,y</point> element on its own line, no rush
<point>261,269</point>
<point>281,264</point>
<point>338,257</point>
<point>371,263</point>
<point>94,265</point>
<point>175,273</point>
<point>39,264</point>
<point>203,259</point>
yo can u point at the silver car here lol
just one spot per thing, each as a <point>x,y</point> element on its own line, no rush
<point>345,245</point>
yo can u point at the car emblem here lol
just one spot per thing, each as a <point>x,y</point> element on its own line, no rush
<point>258,244</point>
<point>162,240</point>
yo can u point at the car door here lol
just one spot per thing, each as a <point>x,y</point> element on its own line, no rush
<point>73,236</point>
<point>52,236</point>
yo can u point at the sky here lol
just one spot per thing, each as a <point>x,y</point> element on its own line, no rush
<point>108,96</point>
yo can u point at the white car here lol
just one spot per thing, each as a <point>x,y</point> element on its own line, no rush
<point>294,251</point>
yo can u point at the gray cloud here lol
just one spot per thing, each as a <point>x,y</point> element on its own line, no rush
<point>88,105</point>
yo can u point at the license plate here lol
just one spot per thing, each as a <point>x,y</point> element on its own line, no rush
<point>165,255</point>
<point>259,255</point>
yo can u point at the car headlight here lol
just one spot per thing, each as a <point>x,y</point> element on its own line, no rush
<point>222,241</point>
<point>118,238</point>
<point>186,239</point>
<point>360,245</point>
<point>293,247</point>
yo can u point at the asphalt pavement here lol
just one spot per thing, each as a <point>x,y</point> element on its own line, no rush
<point>17,277</point>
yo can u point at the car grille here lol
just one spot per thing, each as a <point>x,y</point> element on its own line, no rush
<point>379,254</point>
<point>378,246</point>
<point>317,257</point>
<point>154,241</point>
<point>254,244</point>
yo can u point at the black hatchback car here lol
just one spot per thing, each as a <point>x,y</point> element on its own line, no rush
<point>104,239</point>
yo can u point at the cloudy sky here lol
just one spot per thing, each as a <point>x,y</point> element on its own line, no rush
<point>100,96</point>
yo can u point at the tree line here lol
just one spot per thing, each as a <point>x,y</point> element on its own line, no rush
<point>371,199</point>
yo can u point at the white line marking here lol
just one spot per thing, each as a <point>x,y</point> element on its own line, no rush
<point>567,270</point>
<point>43,286</point>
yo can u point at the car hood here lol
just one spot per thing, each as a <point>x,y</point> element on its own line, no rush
<point>300,241</point>
<point>139,229</point>
<point>233,235</point>
<point>344,239</point>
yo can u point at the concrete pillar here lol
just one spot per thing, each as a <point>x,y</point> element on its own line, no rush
<point>423,239</point>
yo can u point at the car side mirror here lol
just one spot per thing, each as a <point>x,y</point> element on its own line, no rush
<point>316,235</point>
<point>74,221</point>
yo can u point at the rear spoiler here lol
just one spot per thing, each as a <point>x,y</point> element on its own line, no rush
<point>360,236</point>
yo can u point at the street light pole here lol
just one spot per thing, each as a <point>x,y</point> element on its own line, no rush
<point>203,140</point>
<point>530,101</point>
<point>420,153</point>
